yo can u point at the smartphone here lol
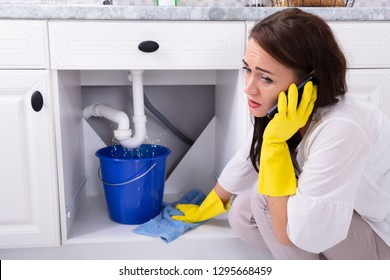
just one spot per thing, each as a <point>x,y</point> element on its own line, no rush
<point>271,113</point>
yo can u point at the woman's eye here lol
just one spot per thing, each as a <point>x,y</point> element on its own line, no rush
<point>246,69</point>
<point>266,79</point>
<point>259,76</point>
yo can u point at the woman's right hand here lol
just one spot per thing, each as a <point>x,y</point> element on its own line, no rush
<point>291,116</point>
<point>216,203</point>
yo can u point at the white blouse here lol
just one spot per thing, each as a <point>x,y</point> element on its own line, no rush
<point>345,166</point>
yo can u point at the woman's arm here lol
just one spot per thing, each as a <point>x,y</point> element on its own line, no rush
<point>223,194</point>
<point>278,210</point>
<point>276,171</point>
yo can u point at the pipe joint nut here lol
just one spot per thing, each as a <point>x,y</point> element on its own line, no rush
<point>139,119</point>
<point>122,134</point>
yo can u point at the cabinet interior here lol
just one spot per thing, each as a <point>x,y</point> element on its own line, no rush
<point>208,108</point>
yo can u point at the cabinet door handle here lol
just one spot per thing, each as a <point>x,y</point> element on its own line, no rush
<point>148,46</point>
<point>37,101</point>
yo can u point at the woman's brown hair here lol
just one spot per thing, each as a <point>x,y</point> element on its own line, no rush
<point>305,43</point>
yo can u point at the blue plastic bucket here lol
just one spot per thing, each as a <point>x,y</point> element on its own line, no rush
<point>133,181</point>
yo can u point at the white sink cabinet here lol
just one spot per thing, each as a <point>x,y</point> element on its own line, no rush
<point>45,163</point>
<point>367,48</point>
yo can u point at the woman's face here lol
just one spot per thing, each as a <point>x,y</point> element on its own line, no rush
<point>265,78</point>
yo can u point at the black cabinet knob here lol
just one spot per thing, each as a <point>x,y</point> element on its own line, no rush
<point>148,46</point>
<point>37,101</point>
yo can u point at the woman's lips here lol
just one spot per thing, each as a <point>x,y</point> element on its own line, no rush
<point>253,104</point>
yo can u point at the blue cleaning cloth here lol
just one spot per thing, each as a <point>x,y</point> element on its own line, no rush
<point>164,226</point>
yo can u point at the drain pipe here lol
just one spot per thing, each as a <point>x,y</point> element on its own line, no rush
<point>139,118</point>
<point>105,111</point>
<point>123,134</point>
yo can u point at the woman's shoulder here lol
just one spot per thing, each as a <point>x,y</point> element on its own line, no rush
<point>353,109</point>
<point>350,116</point>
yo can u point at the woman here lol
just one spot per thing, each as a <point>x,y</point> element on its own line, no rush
<point>313,182</point>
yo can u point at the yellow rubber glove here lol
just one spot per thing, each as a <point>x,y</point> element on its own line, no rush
<point>276,172</point>
<point>211,206</point>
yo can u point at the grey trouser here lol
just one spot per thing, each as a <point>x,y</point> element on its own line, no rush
<point>250,219</point>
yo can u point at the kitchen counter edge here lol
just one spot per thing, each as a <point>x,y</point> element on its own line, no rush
<point>180,13</point>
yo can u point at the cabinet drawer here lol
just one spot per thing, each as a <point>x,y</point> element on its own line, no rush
<point>114,45</point>
<point>366,44</point>
<point>23,44</point>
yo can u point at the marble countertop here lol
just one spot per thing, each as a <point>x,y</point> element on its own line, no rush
<point>101,12</point>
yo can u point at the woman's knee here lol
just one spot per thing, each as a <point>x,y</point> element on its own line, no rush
<point>259,203</point>
<point>243,223</point>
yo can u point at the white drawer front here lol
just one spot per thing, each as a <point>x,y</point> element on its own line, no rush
<point>23,44</point>
<point>114,45</point>
<point>366,44</point>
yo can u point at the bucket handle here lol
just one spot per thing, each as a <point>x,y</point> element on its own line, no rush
<point>127,182</point>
